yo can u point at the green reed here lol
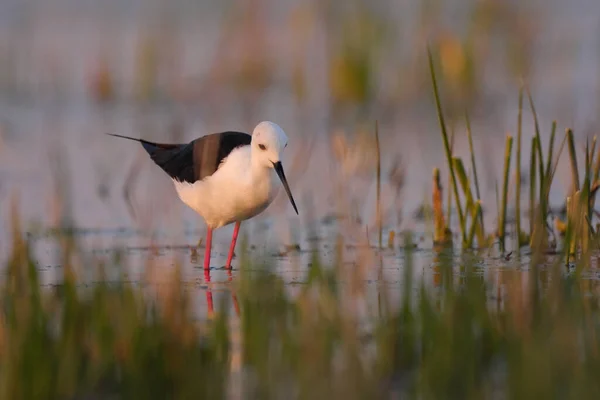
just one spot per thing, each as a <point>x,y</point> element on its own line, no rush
<point>532,183</point>
<point>504,204</point>
<point>573,159</point>
<point>536,123</point>
<point>473,165</point>
<point>518,171</point>
<point>472,152</point>
<point>580,236</point>
<point>444,133</point>
<point>541,176</point>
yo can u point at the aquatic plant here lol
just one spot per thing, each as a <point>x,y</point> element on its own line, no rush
<point>577,230</point>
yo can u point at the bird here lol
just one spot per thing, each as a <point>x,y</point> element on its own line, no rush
<point>226,177</point>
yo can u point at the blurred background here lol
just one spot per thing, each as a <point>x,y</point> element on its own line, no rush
<point>71,70</point>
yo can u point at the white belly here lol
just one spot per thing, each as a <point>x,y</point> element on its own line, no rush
<point>221,201</point>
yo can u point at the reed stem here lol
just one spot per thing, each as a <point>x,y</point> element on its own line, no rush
<point>473,163</point>
<point>518,170</point>
<point>446,142</point>
<point>537,135</point>
<point>507,155</point>
<point>532,184</point>
<point>573,158</point>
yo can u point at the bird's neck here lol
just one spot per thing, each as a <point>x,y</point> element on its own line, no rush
<point>258,168</point>
<point>262,181</point>
<point>260,173</point>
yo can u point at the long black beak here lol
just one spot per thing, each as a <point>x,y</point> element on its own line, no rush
<point>279,169</point>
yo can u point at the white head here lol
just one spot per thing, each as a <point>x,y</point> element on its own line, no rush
<point>268,142</point>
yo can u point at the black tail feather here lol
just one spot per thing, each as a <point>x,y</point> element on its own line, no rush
<point>175,159</point>
<point>150,147</point>
<point>124,137</point>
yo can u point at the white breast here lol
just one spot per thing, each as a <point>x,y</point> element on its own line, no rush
<point>234,192</point>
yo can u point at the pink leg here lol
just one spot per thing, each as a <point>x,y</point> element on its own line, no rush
<point>236,230</point>
<point>207,249</point>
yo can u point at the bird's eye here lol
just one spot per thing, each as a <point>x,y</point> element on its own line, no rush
<point>262,147</point>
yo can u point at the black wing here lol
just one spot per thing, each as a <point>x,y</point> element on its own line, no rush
<point>196,160</point>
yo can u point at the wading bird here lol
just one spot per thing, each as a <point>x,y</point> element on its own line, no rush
<point>225,177</point>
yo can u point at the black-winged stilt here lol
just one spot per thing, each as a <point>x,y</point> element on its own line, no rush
<point>225,177</point>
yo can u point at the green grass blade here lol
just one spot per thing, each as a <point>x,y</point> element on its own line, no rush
<point>537,135</point>
<point>461,175</point>
<point>573,158</point>
<point>593,151</point>
<point>466,187</point>
<point>445,139</point>
<point>551,149</point>
<point>589,224</point>
<point>518,168</point>
<point>597,168</point>
<point>548,175</point>
<point>584,205</point>
<point>497,200</point>
<point>473,164</point>
<point>596,175</point>
<point>587,185</point>
<point>568,246</point>
<point>507,156</point>
<point>476,216</point>
<point>472,151</point>
<point>576,222</point>
<point>449,180</point>
<point>532,183</point>
<point>587,166</point>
